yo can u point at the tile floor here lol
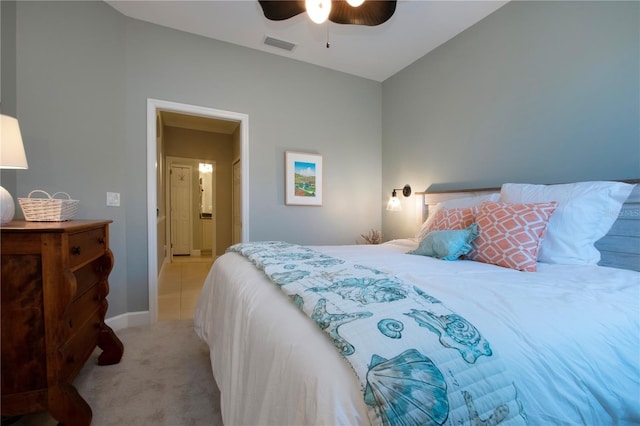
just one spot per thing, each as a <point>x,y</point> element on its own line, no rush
<point>179,286</point>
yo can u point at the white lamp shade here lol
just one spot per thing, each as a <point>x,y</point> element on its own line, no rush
<point>11,157</point>
<point>318,10</point>
<point>12,154</point>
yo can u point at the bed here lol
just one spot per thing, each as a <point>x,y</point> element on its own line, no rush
<point>558,343</point>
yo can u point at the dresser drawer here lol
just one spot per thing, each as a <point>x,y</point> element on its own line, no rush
<point>87,245</point>
<point>90,275</point>
<point>82,309</point>
<point>77,349</point>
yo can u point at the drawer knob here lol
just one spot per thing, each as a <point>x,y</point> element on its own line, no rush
<point>75,250</point>
<point>101,241</point>
<point>97,325</point>
<point>96,297</point>
<point>70,359</point>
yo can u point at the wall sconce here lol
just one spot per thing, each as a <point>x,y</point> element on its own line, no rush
<point>394,203</point>
<point>11,157</point>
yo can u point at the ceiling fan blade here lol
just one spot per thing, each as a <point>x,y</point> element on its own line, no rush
<point>370,13</point>
<point>279,10</point>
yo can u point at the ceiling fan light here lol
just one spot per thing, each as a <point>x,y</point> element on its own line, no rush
<point>318,10</point>
<point>355,3</point>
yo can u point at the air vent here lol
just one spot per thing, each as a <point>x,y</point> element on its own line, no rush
<point>280,44</point>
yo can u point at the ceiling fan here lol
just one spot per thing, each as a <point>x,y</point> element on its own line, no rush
<point>352,12</point>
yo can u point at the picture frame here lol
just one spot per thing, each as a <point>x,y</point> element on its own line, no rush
<point>303,179</point>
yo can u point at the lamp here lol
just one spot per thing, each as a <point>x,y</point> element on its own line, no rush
<point>318,10</point>
<point>394,203</point>
<point>11,157</point>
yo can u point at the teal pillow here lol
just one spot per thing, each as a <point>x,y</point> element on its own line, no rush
<point>447,244</point>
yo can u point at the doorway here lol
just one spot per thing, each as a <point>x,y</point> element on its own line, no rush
<point>181,209</point>
<point>154,174</point>
<point>207,203</point>
<point>190,202</point>
<point>236,205</point>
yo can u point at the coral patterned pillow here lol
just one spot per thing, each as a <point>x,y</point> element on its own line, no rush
<point>510,234</point>
<point>459,218</point>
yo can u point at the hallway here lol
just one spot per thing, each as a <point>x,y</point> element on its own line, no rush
<point>179,286</point>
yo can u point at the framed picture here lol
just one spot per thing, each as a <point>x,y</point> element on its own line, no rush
<point>303,179</point>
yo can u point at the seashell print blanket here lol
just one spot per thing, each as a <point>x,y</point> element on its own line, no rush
<point>418,363</point>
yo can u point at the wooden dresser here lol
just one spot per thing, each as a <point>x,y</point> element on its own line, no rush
<point>54,287</point>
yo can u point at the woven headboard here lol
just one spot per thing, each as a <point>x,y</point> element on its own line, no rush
<point>620,248</point>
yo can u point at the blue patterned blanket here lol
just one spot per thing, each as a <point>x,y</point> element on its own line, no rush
<point>418,362</point>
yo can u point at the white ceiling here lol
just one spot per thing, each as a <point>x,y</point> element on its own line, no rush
<point>376,53</point>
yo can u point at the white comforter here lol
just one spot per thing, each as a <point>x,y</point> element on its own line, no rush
<point>569,336</point>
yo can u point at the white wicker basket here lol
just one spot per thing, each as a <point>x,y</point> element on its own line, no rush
<point>48,209</point>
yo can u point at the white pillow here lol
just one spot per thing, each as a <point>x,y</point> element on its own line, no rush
<point>585,213</point>
<point>474,200</point>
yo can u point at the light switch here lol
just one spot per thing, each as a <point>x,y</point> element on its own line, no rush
<point>113,199</point>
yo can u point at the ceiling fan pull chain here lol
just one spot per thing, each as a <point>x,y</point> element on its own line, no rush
<point>328,42</point>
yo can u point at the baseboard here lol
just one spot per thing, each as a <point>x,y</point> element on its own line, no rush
<point>195,252</point>
<point>130,319</point>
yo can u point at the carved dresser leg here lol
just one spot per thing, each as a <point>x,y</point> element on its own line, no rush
<point>67,406</point>
<point>111,346</point>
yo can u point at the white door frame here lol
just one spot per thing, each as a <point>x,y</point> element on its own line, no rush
<point>153,105</point>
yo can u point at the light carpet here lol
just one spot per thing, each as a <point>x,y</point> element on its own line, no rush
<point>164,378</point>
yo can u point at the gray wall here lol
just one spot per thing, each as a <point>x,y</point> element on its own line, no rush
<point>70,98</point>
<point>7,81</point>
<point>544,92</point>
<point>84,74</point>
